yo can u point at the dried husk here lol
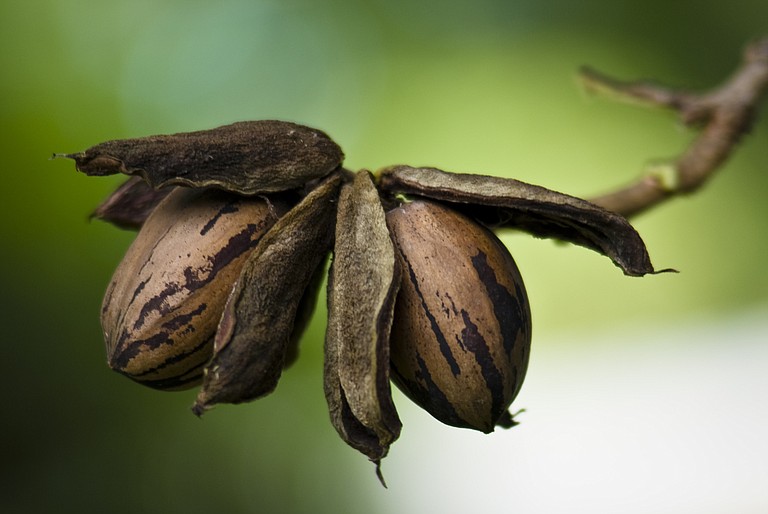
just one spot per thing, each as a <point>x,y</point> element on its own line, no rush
<point>161,309</point>
<point>254,334</point>
<point>508,203</point>
<point>462,326</point>
<point>363,283</point>
<point>250,157</point>
<point>130,204</point>
<point>304,312</point>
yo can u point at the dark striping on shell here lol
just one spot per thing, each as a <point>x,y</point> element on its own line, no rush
<point>161,310</point>
<point>445,348</point>
<point>461,330</point>
<point>509,313</point>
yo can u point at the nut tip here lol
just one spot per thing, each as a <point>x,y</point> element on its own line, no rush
<point>379,474</point>
<point>55,156</point>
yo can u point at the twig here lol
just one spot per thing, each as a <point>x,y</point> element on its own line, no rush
<point>723,116</point>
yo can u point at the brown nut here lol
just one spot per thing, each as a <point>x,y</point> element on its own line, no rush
<point>462,327</point>
<point>161,310</point>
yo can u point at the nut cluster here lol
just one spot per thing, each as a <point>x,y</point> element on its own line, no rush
<point>236,224</point>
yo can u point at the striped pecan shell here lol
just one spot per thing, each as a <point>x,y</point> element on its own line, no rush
<point>162,307</point>
<point>462,327</point>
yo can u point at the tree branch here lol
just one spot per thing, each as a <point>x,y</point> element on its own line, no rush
<point>723,115</point>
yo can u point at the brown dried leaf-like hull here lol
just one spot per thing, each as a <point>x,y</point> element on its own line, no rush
<point>253,336</point>
<point>362,287</point>
<point>249,157</point>
<point>500,202</point>
<point>130,205</point>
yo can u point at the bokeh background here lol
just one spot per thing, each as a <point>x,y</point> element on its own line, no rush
<point>643,395</point>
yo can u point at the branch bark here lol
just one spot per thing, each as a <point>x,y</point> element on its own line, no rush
<point>722,115</point>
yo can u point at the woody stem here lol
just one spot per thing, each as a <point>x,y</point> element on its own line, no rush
<point>722,116</point>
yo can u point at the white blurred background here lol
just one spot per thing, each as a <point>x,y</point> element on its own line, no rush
<point>673,420</point>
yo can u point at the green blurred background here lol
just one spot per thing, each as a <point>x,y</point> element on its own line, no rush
<point>482,86</point>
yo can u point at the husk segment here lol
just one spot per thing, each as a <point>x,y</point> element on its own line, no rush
<point>255,329</point>
<point>249,157</point>
<point>363,284</point>
<point>130,204</point>
<point>508,203</point>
